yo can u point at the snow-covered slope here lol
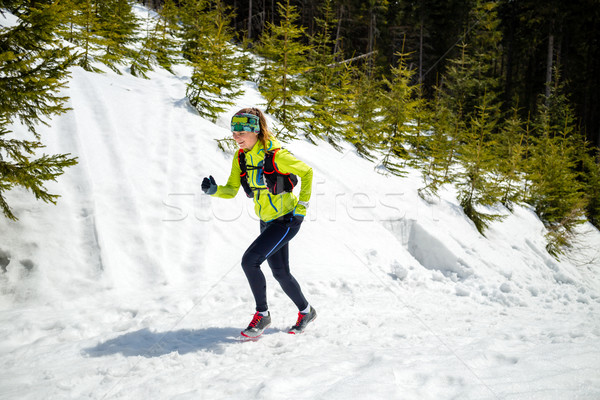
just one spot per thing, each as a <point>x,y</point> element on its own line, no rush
<point>131,286</point>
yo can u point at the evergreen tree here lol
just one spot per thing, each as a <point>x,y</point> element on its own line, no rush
<point>590,161</point>
<point>285,61</point>
<point>441,146</point>
<point>80,30</point>
<point>247,66</point>
<point>328,83</point>
<point>365,132</point>
<point>475,74</point>
<point>105,30</point>
<point>510,152</point>
<point>438,158</point>
<point>33,66</point>
<point>478,162</point>
<point>159,47</point>
<point>215,81</point>
<point>452,117</point>
<point>143,60</point>
<point>556,190</point>
<point>403,117</point>
<point>469,94</point>
<point>117,27</point>
<point>337,111</point>
<point>320,77</point>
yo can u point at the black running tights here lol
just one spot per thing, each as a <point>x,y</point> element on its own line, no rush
<point>272,245</point>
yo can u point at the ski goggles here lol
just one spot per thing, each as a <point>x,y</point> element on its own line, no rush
<point>245,122</point>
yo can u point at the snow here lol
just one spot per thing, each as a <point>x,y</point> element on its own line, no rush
<point>8,20</point>
<point>131,286</point>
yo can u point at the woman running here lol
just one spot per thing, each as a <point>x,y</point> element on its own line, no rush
<point>268,173</point>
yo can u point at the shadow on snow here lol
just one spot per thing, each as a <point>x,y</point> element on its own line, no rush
<point>155,344</point>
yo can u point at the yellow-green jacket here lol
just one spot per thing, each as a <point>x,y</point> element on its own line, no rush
<point>266,205</point>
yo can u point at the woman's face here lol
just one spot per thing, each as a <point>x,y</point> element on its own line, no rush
<point>245,140</point>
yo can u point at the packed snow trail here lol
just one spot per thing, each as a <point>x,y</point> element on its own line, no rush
<point>131,287</point>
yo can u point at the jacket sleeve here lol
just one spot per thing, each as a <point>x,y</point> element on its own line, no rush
<point>287,163</point>
<point>230,190</point>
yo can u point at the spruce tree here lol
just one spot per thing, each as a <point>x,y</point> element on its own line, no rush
<point>329,84</point>
<point>159,47</point>
<point>285,61</point>
<point>215,81</point>
<point>450,122</point>
<point>475,73</point>
<point>80,29</point>
<point>590,161</point>
<point>117,27</point>
<point>34,66</point>
<point>143,59</point>
<point>469,94</point>
<point>343,101</point>
<point>441,147</point>
<point>510,152</point>
<point>104,30</point>
<point>334,114</point>
<point>403,117</point>
<point>473,180</point>
<point>556,190</point>
<point>365,132</point>
<point>322,77</point>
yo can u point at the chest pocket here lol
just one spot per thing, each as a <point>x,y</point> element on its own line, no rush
<point>258,174</point>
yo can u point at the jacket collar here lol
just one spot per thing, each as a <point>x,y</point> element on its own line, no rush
<point>259,149</point>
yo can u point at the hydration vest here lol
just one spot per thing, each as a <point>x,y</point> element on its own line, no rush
<point>276,181</point>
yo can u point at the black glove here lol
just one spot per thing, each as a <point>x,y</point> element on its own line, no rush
<point>209,186</point>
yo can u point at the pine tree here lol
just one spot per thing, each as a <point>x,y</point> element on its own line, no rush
<point>247,66</point>
<point>469,94</point>
<point>365,132</point>
<point>117,28</point>
<point>556,190</point>
<point>441,147</point>
<point>590,161</point>
<point>451,121</point>
<point>329,84</point>
<point>160,46</point>
<point>215,81</point>
<point>143,60</point>
<point>33,66</point>
<point>105,30</point>
<point>285,61</point>
<point>478,162</point>
<point>166,46</point>
<point>80,29</point>
<point>342,103</point>
<point>332,114</point>
<point>510,152</point>
<point>474,74</point>
<point>403,117</point>
<point>322,78</point>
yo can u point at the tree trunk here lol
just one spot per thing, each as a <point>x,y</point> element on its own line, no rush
<point>372,23</point>
<point>336,48</point>
<point>420,51</point>
<point>550,57</point>
<point>249,19</point>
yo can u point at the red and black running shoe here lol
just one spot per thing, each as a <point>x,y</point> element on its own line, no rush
<point>257,326</point>
<point>303,321</point>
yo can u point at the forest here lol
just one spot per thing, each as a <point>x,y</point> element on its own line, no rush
<point>533,38</point>
<point>498,99</point>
